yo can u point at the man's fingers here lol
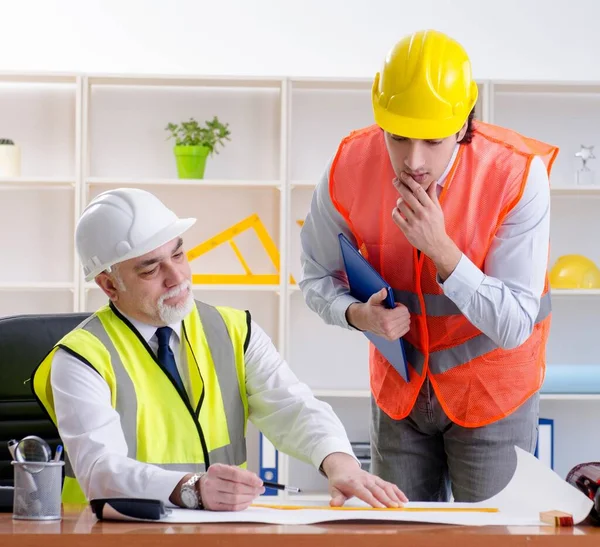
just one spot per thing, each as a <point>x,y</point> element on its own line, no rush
<point>415,188</point>
<point>337,498</point>
<point>234,474</point>
<point>401,312</point>
<point>409,197</point>
<point>400,222</point>
<point>391,323</point>
<point>381,494</point>
<point>378,297</point>
<point>367,496</point>
<point>236,488</point>
<point>399,494</point>
<point>392,492</point>
<point>397,325</point>
<point>408,212</point>
<point>432,193</point>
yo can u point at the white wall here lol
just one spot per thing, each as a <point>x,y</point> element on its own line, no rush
<point>523,39</point>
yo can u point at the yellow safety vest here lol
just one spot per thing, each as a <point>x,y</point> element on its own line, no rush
<point>161,424</point>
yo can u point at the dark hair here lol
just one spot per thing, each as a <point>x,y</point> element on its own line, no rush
<point>469,133</point>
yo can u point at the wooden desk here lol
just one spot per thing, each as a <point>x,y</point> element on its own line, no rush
<point>81,521</point>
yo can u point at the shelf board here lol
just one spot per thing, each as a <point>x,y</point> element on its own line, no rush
<point>215,288</point>
<point>570,396</point>
<point>575,292</point>
<point>184,80</point>
<point>33,286</point>
<point>336,83</point>
<point>38,78</point>
<point>343,84</point>
<point>303,183</point>
<point>122,182</point>
<point>575,191</point>
<point>541,87</point>
<point>35,183</point>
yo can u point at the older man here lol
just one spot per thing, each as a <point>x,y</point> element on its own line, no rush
<point>151,395</point>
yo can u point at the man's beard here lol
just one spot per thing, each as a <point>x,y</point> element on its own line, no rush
<point>175,314</point>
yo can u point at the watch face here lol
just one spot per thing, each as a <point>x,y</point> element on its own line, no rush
<point>189,498</point>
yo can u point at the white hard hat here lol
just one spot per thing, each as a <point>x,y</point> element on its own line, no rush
<point>121,224</point>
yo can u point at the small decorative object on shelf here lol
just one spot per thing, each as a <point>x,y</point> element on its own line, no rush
<point>193,144</point>
<point>585,176</point>
<point>10,159</point>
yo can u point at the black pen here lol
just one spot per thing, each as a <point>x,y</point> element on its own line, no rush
<point>278,486</point>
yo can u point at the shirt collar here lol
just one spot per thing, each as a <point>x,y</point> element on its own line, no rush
<point>148,331</point>
<point>442,179</point>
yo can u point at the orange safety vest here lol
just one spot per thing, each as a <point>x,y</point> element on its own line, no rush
<point>476,381</point>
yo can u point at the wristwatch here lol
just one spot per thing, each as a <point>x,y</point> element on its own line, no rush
<point>190,492</point>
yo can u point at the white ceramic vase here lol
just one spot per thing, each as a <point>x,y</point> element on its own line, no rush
<point>10,160</point>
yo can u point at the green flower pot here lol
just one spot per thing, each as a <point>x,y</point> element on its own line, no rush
<point>191,161</point>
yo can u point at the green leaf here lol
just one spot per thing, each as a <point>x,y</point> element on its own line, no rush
<point>190,133</point>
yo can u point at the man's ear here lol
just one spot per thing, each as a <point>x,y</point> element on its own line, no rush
<point>463,130</point>
<point>108,285</point>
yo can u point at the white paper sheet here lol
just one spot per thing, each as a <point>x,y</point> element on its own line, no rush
<point>533,488</point>
<point>314,516</point>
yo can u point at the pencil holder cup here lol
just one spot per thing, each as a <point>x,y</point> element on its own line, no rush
<point>38,490</point>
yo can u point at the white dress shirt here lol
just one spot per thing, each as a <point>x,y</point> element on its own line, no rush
<point>279,405</point>
<point>502,301</point>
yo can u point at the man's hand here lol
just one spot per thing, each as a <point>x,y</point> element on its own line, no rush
<point>374,317</point>
<point>347,480</point>
<point>229,488</point>
<point>419,215</point>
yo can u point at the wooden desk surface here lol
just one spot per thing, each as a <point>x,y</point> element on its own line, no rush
<point>77,521</point>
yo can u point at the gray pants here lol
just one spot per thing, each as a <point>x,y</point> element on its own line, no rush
<point>427,456</point>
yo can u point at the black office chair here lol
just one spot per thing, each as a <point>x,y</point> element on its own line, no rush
<point>24,342</point>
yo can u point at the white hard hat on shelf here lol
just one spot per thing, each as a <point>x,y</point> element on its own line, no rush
<point>122,224</point>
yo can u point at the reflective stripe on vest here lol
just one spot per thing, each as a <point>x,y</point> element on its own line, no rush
<point>221,348</point>
<point>437,305</point>
<point>446,359</point>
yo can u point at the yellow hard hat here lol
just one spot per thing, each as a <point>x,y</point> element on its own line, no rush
<point>574,272</point>
<point>425,90</point>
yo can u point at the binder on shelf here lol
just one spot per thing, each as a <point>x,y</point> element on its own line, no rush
<point>365,281</point>
<point>544,449</point>
<point>268,464</point>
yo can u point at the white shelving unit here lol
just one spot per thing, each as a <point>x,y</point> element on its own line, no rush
<point>82,134</point>
<point>41,113</point>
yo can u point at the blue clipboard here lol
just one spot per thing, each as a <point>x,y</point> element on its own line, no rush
<point>365,281</point>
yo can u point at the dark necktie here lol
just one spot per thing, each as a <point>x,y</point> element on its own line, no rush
<point>165,355</point>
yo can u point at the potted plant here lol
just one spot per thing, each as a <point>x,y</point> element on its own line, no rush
<point>10,159</point>
<point>193,144</point>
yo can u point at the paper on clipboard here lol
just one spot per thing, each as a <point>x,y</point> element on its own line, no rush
<point>365,281</point>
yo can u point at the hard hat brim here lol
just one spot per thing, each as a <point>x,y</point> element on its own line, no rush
<point>411,128</point>
<point>157,240</point>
